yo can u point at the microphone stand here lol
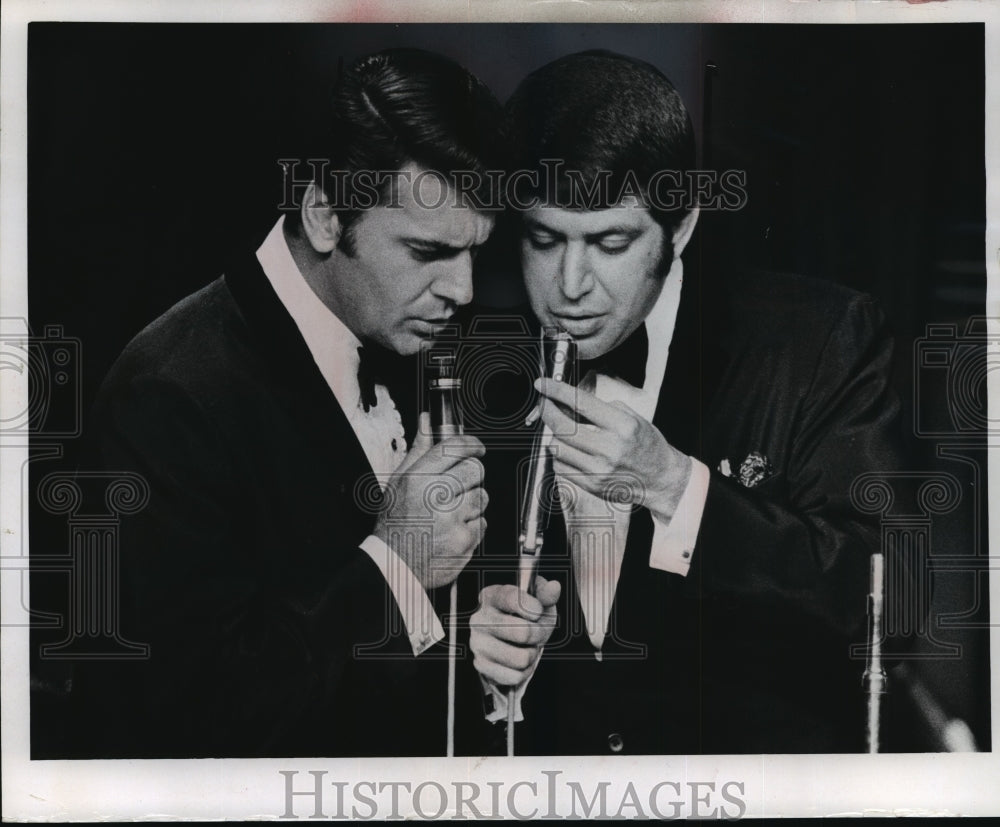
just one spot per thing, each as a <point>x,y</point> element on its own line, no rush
<point>558,356</point>
<point>446,421</point>
<point>874,677</point>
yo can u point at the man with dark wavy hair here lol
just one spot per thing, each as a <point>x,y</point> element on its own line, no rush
<point>713,569</point>
<point>284,614</point>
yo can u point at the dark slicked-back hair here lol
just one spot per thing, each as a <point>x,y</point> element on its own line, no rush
<point>604,117</point>
<point>405,106</point>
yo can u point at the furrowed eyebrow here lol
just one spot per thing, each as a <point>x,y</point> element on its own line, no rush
<point>538,226</point>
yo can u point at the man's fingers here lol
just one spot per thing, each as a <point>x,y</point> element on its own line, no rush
<point>505,644</point>
<point>510,656</point>
<point>572,460</point>
<point>422,442</point>
<point>587,438</point>
<point>463,445</point>
<point>500,675</point>
<point>468,535</point>
<point>476,501</point>
<point>489,648</point>
<point>512,601</point>
<point>470,472</point>
<point>452,452</point>
<point>559,419</point>
<point>424,438</point>
<point>586,404</point>
<point>547,591</point>
<point>511,629</point>
<point>478,528</point>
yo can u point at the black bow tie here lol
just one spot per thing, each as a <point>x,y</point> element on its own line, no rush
<point>380,366</point>
<point>369,374</point>
<point>627,361</point>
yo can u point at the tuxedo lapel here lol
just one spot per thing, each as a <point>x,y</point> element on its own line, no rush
<point>694,370</point>
<point>694,367</point>
<point>291,366</point>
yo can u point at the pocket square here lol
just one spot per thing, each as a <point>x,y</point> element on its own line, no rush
<point>751,472</point>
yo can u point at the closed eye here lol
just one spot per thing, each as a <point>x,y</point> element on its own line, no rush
<point>613,246</point>
<point>433,252</point>
<point>613,243</point>
<point>541,240</point>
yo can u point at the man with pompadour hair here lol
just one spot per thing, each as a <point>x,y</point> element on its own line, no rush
<point>706,572</point>
<point>405,106</point>
<point>287,609</point>
<point>637,139</point>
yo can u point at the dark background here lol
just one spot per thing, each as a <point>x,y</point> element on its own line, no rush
<point>153,158</point>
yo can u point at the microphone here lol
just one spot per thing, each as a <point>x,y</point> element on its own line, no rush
<point>558,358</point>
<point>446,420</point>
<point>442,396</point>
<point>557,362</point>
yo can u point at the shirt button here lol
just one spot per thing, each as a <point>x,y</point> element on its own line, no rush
<point>685,554</point>
<point>615,742</point>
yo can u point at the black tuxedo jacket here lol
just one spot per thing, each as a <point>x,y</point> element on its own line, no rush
<point>271,632</point>
<point>750,651</point>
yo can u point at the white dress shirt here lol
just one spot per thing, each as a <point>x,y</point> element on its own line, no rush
<point>597,528</point>
<point>334,348</point>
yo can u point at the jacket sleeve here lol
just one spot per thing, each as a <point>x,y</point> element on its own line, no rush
<point>797,539</point>
<point>251,640</point>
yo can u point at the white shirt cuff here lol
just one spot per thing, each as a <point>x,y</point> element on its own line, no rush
<point>422,625</point>
<point>674,541</point>
<point>496,696</point>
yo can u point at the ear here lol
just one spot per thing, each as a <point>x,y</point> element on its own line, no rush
<point>319,221</point>
<point>682,235</point>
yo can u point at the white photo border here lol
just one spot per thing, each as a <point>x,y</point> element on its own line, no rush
<point>229,789</point>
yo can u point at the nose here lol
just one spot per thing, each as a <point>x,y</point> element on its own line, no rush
<point>575,277</point>
<point>454,282</point>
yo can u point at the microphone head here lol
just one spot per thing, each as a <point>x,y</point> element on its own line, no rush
<point>558,355</point>
<point>442,386</point>
<point>442,369</point>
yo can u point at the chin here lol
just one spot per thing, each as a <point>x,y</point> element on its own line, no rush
<point>592,348</point>
<point>407,345</point>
